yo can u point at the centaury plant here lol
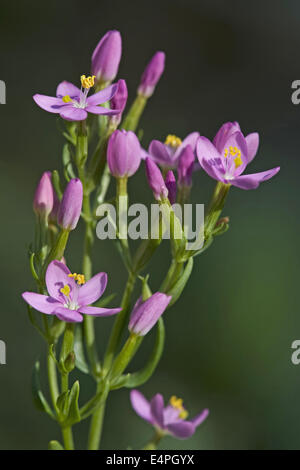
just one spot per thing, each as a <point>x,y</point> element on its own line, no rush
<point>101,148</point>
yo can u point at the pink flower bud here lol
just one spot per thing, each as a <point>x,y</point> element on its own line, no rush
<point>70,206</point>
<point>119,101</point>
<point>123,153</point>
<point>146,314</point>
<point>106,57</point>
<point>152,74</point>
<point>43,198</point>
<point>186,166</point>
<point>170,182</point>
<point>155,179</point>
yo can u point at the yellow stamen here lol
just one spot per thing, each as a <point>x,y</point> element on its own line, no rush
<point>173,141</point>
<point>183,414</point>
<point>234,152</point>
<point>87,82</point>
<point>67,99</point>
<point>65,290</point>
<point>177,403</point>
<point>79,278</point>
<point>238,161</point>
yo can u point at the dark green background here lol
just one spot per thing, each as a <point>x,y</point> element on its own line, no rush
<point>229,337</point>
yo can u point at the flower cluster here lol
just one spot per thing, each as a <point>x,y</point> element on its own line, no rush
<point>93,116</point>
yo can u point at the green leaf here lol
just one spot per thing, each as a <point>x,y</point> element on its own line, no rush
<point>178,287</point>
<point>56,183</point>
<point>67,162</point>
<point>80,362</point>
<point>139,378</point>
<point>38,396</point>
<point>73,413</point>
<point>55,445</point>
<point>32,268</point>
<point>119,382</point>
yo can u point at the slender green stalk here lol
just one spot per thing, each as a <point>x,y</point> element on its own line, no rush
<point>152,445</point>
<point>216,206</point>
<point>52,379</point>
<point>67,348</point>
<point>97,424</point>
<point>131,121</point>
<point>119,324</point>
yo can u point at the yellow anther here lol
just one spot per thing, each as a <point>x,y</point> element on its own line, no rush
<point>238,161</point>
<point>67,99</point>
<point>183,414</point>
<point>177,403</point>
<point>65,290</point>
<point>79,278</point>
<point>226,153</point>
<point>173,141</point>
<point>87,82</point>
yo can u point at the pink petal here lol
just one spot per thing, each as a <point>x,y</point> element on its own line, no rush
<point>140,405</point>
<point>160,153</point>
<point>182,429</point>
<point>224,133</point>
<point>252,141</point>
<point>252,181</point>
<point>49,103</point>
<point>67,89</point>
<point>40,302</point>
<point>101,110</point>
<point>99,312</point>
<point>210,159</point>
<point>70,113</point>
<point>103,95</point>
<point>191,140</point>
<point>70,316</point>
<point>157,409</point>
<point>92,289</point>
<point>56,278</point>
<point>197,420</point>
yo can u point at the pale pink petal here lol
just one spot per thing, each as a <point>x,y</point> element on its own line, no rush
<point>40,302</point>
<point>92,289</point>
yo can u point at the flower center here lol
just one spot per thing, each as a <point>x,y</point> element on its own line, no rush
<point>79,278</point>
<point>177,403</point>
<point>173,141</point>
<point>234,152</point>
<point>86,84</point>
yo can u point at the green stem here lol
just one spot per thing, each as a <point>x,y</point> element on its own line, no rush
<point>52,379</point>
<point>131,121</point>
<point>215,207</point>
<point>97,424</point>
<point>172,275</point>
<point>119,324</point>
<point>88,322</point>
<point>152,445</point>
<point>128,351</point>
<point>67,348</point>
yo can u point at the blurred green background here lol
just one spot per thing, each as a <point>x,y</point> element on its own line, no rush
<point>228,344</point>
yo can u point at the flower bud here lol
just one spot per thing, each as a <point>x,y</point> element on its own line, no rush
<point>119,101</point>
<point>123,153</point>
<point>145,314</point>
<point>152,74</point>
<point>106,57</point>
<point>186,166</point>
<point>70,206</point>
<point>170,183</point>
<point>155,180</point>
<point>43,198</point>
